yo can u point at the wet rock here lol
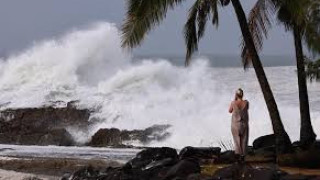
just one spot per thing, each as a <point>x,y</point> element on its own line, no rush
<point>227,157</point>
<point>183,169</point>
<point>297,177</point>
<point>200,152</point>
<point>245,172</point>
<point>160,163</point>
<point>316,178</point>
<point>116,138</point>
<point>33,126</point>
<point>198,176</point>
<point>86,173</point>
<point>150,155</point>
<point>266,152</point>
<point>309,158</point>
<point>32,178</point>
<point>58,137</point>
<point>153,133</point>
<point>106,137</point>
<point>264,141</point>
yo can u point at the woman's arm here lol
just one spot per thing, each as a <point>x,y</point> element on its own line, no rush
<point>231,107</point>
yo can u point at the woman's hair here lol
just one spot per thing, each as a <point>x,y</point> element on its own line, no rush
<point>239,94</point>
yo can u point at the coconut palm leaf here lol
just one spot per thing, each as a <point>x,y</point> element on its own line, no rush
<point>259,24</point>
<point>194,29</point>
<point>142,16</point>
<point>311,31</point>
<point>313,69</point>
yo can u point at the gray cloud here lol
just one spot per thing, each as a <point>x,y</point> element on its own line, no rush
<point>26,21</point>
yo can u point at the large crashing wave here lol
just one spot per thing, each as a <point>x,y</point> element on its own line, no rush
<point>90,67</point>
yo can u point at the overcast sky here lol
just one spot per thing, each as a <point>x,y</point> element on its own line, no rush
<point>26,21</point>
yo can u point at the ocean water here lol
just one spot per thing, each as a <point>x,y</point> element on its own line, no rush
<point>126,92</point>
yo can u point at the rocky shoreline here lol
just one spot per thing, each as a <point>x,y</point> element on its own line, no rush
<point>192,163</point>
<point>49,126</point>
<point>164,163</point>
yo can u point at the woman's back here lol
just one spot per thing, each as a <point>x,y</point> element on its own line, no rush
<point>240,110</point>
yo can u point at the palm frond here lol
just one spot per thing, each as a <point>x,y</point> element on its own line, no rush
<point>190,32</point>
<point>195,26</point>
<point>215,14</point>
<point>141,17</point>
<point>313,69</point>
<point>202,18</point>
<point>311,31</point>
<point>259,23</point>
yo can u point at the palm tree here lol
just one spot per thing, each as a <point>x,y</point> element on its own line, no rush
<point>143,15</point>
<point>302,17</point>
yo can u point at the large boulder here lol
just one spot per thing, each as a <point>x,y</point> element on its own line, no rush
<point>227,157</point>
<point>58,137</point>
<point>41,126</point>
<point>200,152</point>
<point>116,138</point>
<point>153,133</point>
<point>264,141</point>
<point>150,155</point>
<point>183,169</point>
<point>106,137</point>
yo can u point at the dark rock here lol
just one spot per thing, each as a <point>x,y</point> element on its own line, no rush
<point>31,178</point>
<point>156,173</point>
<point>250,150</point>
<point>115,137</point>
<point>309,158</point>
<point>227,157</point>
<point>183,169</point>
<point>300,147</point>
<point>264,141</point>
<point>297,177</point>
<point>33,126</point>
<point>106,137</point>
<point>86,173</point>
<point>161,163</point>
<point>198,176</point>
<point>149,155</point>
<point>153,133</point>
<point>316,178</point>
<point>199,152</point>
<point>58,137</point>
<point>266,152</point>
<point>246,172</point>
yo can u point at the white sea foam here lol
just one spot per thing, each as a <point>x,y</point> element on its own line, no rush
<point>90,66</point>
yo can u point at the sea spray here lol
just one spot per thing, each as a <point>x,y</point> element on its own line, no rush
<point>90,67</point>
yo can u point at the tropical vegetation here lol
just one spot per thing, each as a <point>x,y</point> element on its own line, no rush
<point>313,70</point>
<point>302,18</point>
<point>143,15</point>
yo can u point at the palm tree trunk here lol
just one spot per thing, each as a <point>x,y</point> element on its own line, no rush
<point>283,142</point>
<point>307,134</point>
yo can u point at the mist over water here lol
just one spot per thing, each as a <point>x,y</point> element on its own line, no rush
<point>89,66</point>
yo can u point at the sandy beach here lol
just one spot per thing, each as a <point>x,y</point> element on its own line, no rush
<point>13,175</point>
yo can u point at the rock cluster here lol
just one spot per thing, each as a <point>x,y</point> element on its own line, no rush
<point>48,126</point>
<point>41,126</point>
<point>116,138</point>
<point>194,163</point>
<point>153,163</point>
<point>165,164</point>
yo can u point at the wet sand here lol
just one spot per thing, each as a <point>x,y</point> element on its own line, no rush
<point>13,175</point>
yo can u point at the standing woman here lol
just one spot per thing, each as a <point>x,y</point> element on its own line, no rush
<point>239,125</point>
